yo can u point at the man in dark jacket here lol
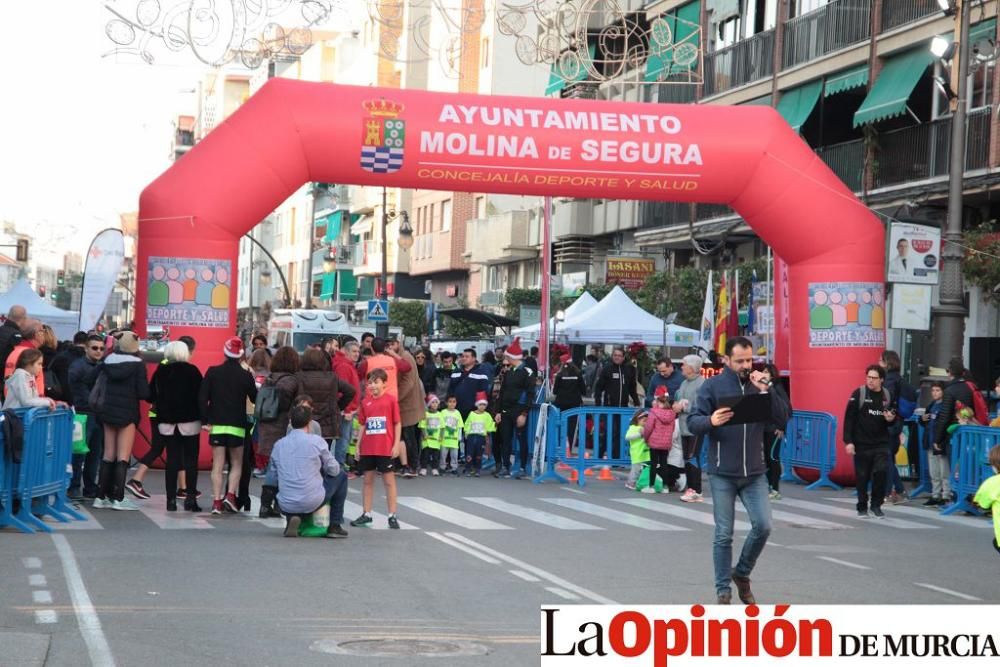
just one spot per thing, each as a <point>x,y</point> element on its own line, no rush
<point>467,381</point>
<point>667,376</point>
<point>515,401</point>
<point>442,375</point>
<point>62,362</point>
<point>616,385</point>
<point>736,465</point>
<point>81,376</point>
<point>10,332</point>
<point>867,436</point>
<point>569,389</point>
<point>955,391</point>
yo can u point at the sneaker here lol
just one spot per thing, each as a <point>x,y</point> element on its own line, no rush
<point>774,495</point>
<point>410,472</point>
<point>435,472</point>
<point>335,531</point>
<point>878,513</point>
<point>216,507</point>
<point>475,474</point>
<point>724,597</point>
<point>291,525</point>
<point>393,522</point>
<point>134,487</point>
<point>648,489</point>
<point>862,514</point>
<point>630,487</point>
<point>362,520</point>
<point>691,496</point>
<point>423,472</point>
<point>743,589</point>
<point>125,504</point>
<point>101,503</point>
<point>930,502</point>
<point>259,473</point>
<point>899,498</point>
<point>182,494</point>
<point>230,504</point>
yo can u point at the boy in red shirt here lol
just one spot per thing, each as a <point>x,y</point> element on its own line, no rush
<point>377,442</point>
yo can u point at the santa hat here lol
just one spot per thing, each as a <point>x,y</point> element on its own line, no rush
<point>661,392</point>
<point>233,348</point>
<point>481,398</point>
<point>514,349</point>
<point>432,398</point>
<point>566,358</point>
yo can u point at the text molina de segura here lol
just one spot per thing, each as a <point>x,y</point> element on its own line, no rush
<point>478,141</point>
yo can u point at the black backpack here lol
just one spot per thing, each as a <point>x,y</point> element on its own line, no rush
<point>13,434</point>
<point>267,407</point>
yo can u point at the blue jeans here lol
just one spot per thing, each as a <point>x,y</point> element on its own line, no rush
<point>336,495</point>
<point>85,466</point>
<point>340,445</point>
<point>753,493</point>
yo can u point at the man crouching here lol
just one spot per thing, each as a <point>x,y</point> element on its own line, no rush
<point>309,479</point>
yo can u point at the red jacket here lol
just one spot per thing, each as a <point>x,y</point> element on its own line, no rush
<point>659,429</point>
<point>345,370</point>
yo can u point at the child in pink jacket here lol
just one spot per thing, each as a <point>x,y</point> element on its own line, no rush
<point>659,434</point>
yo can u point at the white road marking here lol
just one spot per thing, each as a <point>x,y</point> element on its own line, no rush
<point>41,597</point>
<point>32,563</point>
<point>851,514</point>
<point>537,571</point>
<point>524,575</point>
<point>951,519</point>
<point>90,524</point>
<point>948,591</point>
<point>565,595</point>
<point>462,547</point>
<point>572,490</point>
<point>843,562</point>
<point>680,512</point>
<point>450,514</point>
<point>381,521</point>
<point>46,616</point>
<point>155,509</point>
<point>37,580</point>
<point>612,514</point>
<point>86,616</point>
<point>531,514</point>
<point>797,519</point>
<point>270,522</point>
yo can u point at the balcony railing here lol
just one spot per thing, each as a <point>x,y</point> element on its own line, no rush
<point>827,29</point>
<point>847,160</point>
<point>900,12</point>
<point>921,152</point>
<point>744,62</point>
<point>663,214</point>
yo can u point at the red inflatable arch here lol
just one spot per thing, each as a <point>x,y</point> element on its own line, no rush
<point>292,132</point>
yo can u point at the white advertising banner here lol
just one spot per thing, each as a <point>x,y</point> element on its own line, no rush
<point>910,307</point>
<point>104,262</point>
<point>914,254</point>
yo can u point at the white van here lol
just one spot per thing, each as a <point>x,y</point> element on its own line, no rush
<point>300,328</point>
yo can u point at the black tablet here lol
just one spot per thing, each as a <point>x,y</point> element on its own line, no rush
<point>747,408</point>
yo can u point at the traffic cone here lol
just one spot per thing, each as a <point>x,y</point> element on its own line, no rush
<point>588,472</point>
<point>562,465</point>
<point>606,475</point>
<point>573,477</point>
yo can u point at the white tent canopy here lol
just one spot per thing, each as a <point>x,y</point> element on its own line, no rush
<point>63,322</point>
<point>618,320</point>
<point>577,309</point>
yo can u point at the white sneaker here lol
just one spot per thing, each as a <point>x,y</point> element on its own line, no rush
<point>435,472</point>
<point>682,482</point>
<point>423,472</point>
<point>648,489</point>
<point>125,504</point>
<point>691,496</point>
<point>101,503</point>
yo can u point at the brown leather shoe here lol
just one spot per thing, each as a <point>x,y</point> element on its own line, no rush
<point>743,589</point>
<point>725,598</point>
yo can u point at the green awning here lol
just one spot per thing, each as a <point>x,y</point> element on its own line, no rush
<point>348,284</point>
<point>796,104</point>
<point>683,37</point>
<point>892,88</point>
<point>558,80</point>
<point>856,77</point>
<point>982,31</point>
<point>329,286</point>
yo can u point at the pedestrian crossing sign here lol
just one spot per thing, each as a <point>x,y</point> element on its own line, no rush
<point>378,310</point>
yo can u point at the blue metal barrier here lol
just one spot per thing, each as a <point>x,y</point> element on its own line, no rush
<point>810,442</point>
<point>595,428</point>
<point>490,464</point>
<point>45,469</point>
<point>9,472</point>
<point>970,446</point>
<point>924,484</point>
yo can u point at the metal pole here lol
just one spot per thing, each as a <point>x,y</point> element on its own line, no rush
<point>543,342</point>
<point>949,317</point>
<point>382,328</point>
<point>312,233</point>
<point>277,267</point>
<point>250,285</point>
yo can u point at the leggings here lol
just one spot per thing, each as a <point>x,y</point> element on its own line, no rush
<point>157,443</point>
<point>411,439</point>
<point>658,461</point>
<point>692,453</point>
<point>246,469</point>
<point>182,450</point>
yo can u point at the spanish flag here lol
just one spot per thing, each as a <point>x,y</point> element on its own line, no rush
<point>722,317</point>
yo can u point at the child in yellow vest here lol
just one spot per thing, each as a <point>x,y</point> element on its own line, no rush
<point>432,426</point>
<point>478,426</point>
<point>451,435</point>
<point>988,495</point>
<point>638,449</point>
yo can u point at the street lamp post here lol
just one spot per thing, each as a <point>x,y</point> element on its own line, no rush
<point>277,268</point>
<point>948,334</point>
<point>405,243</point>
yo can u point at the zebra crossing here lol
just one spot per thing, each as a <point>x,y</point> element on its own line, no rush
<point>560,513</point>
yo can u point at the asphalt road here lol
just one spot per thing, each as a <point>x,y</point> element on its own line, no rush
<point>464,578</point>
